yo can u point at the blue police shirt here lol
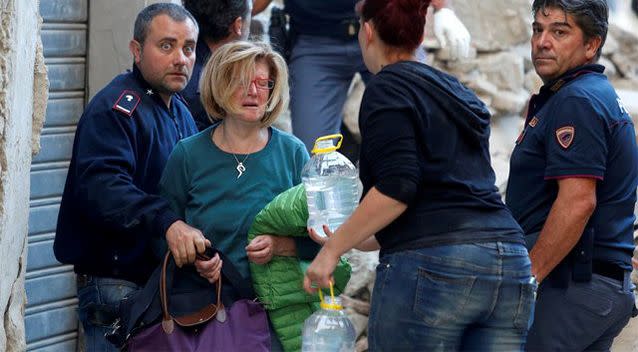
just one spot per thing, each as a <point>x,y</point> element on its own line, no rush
<point>191,91</point>
<point>577,127</point>
<point>111,208</point>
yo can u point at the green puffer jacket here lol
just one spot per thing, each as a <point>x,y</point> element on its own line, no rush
<point>279,284</point>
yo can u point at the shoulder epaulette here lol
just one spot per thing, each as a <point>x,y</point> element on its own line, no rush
<point>127,102</point>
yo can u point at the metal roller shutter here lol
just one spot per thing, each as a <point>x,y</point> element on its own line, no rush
<point>51,319</point>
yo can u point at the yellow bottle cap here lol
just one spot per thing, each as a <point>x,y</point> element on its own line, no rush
<point>326,305</point>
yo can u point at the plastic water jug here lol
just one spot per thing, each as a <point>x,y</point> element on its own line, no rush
<point>332,185</point>
<point>329,329</point>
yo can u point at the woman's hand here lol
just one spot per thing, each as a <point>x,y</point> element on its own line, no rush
<point>210,269</point>
<point>320,270</point>
<point>318,238</point>
<point>261,249</point>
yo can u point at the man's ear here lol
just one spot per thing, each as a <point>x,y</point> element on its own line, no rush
<point>592,46</point>
<point>237,27</point>
<point>136,50</point>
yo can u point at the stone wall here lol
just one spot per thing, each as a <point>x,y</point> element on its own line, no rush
<point>23,95</point>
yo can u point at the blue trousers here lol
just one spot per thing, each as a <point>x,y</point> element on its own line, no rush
<point>586,316</point>
<point>321,70</point>
<point>99,300</point>
<point>474,297</point>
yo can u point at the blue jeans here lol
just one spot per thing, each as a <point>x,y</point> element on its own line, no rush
<point>99,300</point>
<point>321,70</point>
<point>474,297</point>
<point>585,316</point>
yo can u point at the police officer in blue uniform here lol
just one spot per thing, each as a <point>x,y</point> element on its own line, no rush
<point>110,211</point>
<point>220,22</point>
<point>572,185</point>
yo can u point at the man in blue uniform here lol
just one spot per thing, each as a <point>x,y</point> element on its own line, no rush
<point>220,22</point>
<point>110,211</point>
<point>325,56</point>
<point>572,185</point>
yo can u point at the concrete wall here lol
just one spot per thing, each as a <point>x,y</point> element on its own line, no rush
<point>110,31</point>
<point>23,94</point>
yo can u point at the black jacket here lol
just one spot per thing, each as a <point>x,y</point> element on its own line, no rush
<point>425,142</point>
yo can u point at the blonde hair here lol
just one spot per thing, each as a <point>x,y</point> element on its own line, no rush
<point>231,67</point>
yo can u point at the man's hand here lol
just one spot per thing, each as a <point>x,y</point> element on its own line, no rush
<point>452,34</point>
<point>185,242</point>
<point>210,269</point>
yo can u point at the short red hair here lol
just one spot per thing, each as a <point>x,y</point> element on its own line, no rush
<point>399,23</point>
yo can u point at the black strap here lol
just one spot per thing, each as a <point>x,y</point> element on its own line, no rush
<point>229,271</point>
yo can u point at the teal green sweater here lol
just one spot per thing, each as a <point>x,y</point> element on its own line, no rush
<point>200,181</point>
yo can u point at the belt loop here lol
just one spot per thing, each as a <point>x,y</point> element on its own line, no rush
<point>499,245</point>
<point>627,285</point>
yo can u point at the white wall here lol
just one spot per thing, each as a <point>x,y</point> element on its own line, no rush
<point>110,31</point>
<point>20,51</point>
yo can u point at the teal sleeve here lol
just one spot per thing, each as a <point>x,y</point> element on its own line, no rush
<point>174,183</point>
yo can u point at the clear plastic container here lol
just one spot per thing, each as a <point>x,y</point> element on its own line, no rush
<point>328,329</point>
<point>332,185</point>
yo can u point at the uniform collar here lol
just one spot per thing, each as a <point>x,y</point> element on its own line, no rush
<point>556,84</point>
<point>140,79</point>
<point>548,90</point>
<point>147,89</point>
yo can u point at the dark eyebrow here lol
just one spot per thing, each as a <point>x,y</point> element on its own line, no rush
<point>553,24</point>
<point>560,24</point>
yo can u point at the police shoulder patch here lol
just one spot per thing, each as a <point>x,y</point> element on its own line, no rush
<point>533,122</point>
<point>565,136</point>
<point>127,102</point>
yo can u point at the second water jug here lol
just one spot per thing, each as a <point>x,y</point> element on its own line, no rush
<point>332,185</point>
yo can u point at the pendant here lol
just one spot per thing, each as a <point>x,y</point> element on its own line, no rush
<point>240,168</point>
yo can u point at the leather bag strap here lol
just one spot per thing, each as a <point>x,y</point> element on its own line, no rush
<point>203,315</point>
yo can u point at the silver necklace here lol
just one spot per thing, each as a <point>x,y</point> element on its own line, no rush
<point>240,164</point>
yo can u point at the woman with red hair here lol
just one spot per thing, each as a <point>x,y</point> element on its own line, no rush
<point>454,273</point>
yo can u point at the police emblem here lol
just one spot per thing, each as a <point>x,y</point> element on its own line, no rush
<point>565,136</point>
<point>533,122</point>
<point>127,102</point>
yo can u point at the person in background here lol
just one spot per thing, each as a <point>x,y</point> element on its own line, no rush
<point>325,56</point>
<point>219,179</point>
<point>572,183</point>
<point>111,211</point>
<point>453,273</point>
<point>220,22</point>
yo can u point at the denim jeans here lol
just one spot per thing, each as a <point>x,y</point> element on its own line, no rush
<point>321,70</point>
<point>99,300</point>
<point>474,297</point>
